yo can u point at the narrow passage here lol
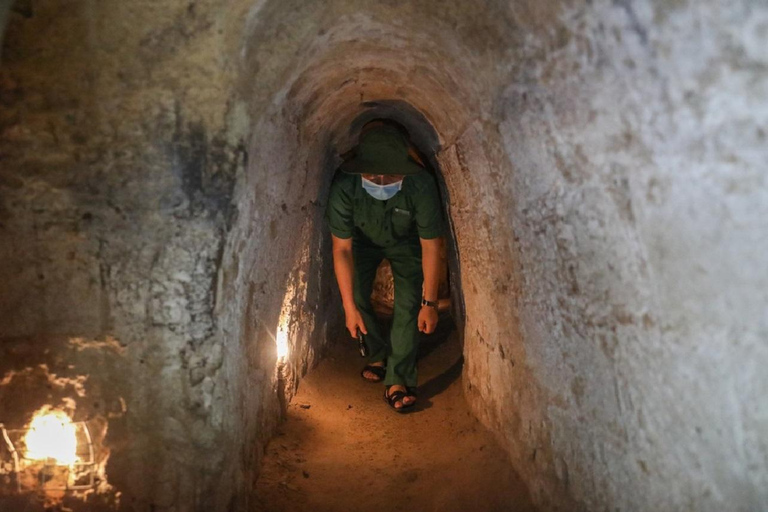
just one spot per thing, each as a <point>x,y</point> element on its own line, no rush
<point>342,448</point>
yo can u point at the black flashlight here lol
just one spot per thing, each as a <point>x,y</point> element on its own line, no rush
<point>361,344</point>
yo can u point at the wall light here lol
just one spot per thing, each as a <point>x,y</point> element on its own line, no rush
<point>282,333</point>
<point>52,454</point>
<point>52,436</point>
<point>281,342</point>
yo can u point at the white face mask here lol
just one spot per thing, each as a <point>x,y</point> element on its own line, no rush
<point>382,192</point>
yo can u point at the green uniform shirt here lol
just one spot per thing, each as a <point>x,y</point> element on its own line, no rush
<point>413,213</point>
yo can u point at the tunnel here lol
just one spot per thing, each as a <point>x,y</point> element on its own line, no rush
<point>167,290</point>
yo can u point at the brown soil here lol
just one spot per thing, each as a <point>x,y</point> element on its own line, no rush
<point>343,449</point>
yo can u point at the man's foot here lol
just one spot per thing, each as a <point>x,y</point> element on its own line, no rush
<point>400,397</point>
<point>410,396</point>
<point>374,372</point>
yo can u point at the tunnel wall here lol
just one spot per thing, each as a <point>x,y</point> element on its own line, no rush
<point>629,176</point>
<point>121,142</point>
<point>165,169</point>
<point>622,202</point>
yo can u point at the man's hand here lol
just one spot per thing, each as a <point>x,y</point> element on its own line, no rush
<point>427,319</point>
<point>354,321</point>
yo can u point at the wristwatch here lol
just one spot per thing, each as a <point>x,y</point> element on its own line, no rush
<point>430,303</point>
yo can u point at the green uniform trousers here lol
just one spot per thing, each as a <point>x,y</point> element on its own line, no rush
<point>400,352</point>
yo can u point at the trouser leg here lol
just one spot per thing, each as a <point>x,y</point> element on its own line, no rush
<point>366,261</point>
<point>404,339</point>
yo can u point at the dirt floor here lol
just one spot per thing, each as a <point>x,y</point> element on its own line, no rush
<point>343,449</point>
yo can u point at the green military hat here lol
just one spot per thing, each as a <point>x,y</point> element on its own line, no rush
<point>382,150</point>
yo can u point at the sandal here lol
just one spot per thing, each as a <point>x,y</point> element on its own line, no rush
<point>399,396</point>
<point>379,371</point>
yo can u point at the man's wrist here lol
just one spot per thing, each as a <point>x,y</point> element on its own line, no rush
<point>429,303</point>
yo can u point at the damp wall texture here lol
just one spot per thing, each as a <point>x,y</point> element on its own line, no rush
<point>633,142</point>
<point>120,149</point>
<point>165,169</point>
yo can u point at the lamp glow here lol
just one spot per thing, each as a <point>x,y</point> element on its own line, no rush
<point>281,341</point>
<point>283,330</point>
<point>52,435</point>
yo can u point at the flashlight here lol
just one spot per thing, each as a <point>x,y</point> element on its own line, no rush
<point>361,344</point>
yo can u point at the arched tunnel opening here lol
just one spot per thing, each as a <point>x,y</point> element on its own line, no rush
<point>167,296</point>
<point>336,427</point>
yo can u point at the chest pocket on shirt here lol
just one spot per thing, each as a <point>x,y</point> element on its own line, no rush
<point>401,221</point>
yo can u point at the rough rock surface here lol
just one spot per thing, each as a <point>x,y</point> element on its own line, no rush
<point>120,150</point>
<point>164,170</point>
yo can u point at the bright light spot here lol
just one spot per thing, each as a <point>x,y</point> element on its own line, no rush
<point>285,332</point>
<point>52,435</point>
<point>281,340</point>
